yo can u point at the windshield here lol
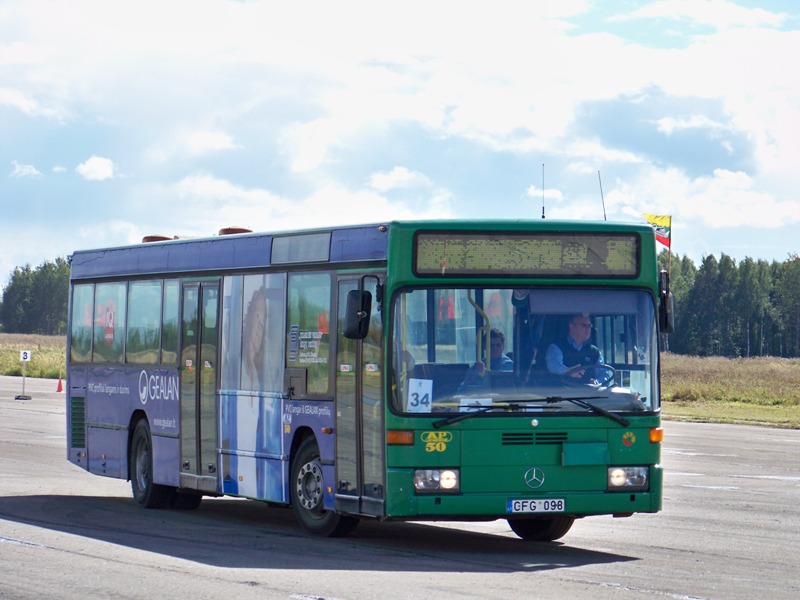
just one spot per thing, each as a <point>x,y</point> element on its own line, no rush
<point>491,350</point>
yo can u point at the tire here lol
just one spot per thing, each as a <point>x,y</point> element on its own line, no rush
<point>544,529</point>
<point>307,490</point>
<point>145,492</point>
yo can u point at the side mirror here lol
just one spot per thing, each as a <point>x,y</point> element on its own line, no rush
<point>357,312</point>
<point>666,314</point>
<point>666,311</point>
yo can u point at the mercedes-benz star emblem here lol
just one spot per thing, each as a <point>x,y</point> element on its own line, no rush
<point>534,478</point>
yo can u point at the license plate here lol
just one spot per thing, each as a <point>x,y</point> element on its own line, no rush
<point>550,505</point>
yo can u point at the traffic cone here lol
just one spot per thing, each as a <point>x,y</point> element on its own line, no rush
<point>60,387</point>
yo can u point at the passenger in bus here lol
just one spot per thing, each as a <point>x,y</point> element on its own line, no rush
<point>498,361</point>
<point>564,357</point>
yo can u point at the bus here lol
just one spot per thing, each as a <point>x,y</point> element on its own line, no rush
<point>348,373</point>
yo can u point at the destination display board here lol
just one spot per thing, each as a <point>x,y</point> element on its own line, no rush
<point>535,254</point>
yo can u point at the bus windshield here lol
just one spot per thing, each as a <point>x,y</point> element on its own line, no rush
<point>523,351</point>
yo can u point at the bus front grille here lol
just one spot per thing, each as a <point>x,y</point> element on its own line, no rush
<point>529,438</point>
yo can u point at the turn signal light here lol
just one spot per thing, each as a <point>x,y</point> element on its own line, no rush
<point>657,435</point>
<point>400,437</point>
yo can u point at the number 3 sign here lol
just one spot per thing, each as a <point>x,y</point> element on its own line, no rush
<point>25,355</point>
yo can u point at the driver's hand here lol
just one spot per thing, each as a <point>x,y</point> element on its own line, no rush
<point>577,374</point>
<point>480,368</point>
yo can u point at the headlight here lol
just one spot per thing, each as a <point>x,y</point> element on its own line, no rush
<point>628,479</point>
<point>436,481</point>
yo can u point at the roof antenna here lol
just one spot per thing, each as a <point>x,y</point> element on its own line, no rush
<point>543,190</point>
<point>601,195</point>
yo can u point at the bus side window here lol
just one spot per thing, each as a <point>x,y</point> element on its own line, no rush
<point>109,322</point>
<point>81,334</point>
<point>308,338</point>
<point>262,332</point>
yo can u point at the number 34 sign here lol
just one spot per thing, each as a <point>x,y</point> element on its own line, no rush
<point>25,355</point>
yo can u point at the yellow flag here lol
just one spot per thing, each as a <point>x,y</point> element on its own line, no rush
<point>663,226</point>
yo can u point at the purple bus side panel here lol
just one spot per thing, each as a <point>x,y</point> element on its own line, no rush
<point>314,415</point>
<point>113,395</point>
<point>166,458</point>
<point>107,455</point>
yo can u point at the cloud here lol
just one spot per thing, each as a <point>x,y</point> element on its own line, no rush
<point>308,144</point>
<point>397,178</point>
<point>653,126</point>
<point>27,105</point>
<point>182,144</point>
<point>723,199</point>
<point>203,142</point>
<point>333,204</point>
<point>719,14</point>
<point>112,233</point>
<point>549,193</point>
<point>96,168</point>
<point>670,125</point>
<point>24,171</point>
<point>215,203</point>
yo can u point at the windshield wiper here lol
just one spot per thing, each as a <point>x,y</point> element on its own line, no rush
<point>506,405</point>
<point>509,405</point>
<point>582,402</point>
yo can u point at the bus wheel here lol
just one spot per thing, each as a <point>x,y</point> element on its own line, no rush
<point>541,529</point>
<point>307,489</point>
<point>145,492</point>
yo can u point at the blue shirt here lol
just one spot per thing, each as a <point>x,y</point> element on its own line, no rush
<point>554,357</point>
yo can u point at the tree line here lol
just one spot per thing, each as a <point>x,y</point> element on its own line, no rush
<point>35,300</point>
<point>735,310</point>
<point>722,308</point>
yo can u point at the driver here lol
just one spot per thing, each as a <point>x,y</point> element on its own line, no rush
<point>565,357</point>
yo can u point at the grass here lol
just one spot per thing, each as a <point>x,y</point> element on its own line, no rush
<point>756,391</point>
<point>48,355</point>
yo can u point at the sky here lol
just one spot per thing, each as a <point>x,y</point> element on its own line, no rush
<point>121,119</point>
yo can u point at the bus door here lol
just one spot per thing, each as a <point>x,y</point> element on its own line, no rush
<point>359,414</point>
<point>199,386</point>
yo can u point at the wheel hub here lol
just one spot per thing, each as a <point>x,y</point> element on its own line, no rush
<point>309,486</point>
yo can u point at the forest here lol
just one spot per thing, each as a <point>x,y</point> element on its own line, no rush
<point>734,310</point>
<point>722,308</point>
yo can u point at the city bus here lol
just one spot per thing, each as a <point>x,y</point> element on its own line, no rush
<point>349,373</point>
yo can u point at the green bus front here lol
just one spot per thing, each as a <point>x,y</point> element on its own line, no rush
<point>516,439</point>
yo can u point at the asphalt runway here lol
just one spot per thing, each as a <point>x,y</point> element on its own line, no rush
<point>730,529</point>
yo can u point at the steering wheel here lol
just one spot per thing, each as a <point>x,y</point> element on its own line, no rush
<point>608,370</point>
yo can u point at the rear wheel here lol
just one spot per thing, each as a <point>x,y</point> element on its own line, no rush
<point>545,529</point>
<point>145,492</point>
<point>307,490</point>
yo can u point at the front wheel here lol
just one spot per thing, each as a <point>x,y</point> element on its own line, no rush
<point>545,529</point>
<point>145,492</point>
<point>307,489</point>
